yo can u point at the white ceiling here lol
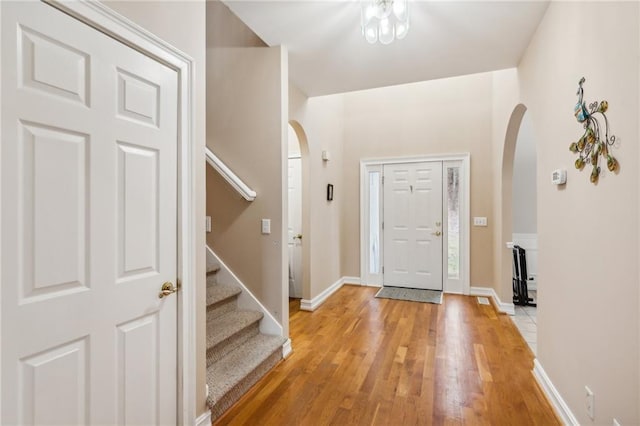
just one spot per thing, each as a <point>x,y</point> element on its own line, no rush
<point>328,54</point>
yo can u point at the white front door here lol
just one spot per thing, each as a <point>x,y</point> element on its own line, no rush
<point>295,227</point>
<point>89,178</point>
<point>413,225</point>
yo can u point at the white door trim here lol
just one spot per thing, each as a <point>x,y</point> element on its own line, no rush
<point>105,20</point>
<point>376,164</point>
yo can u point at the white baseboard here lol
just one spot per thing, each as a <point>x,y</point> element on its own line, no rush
<point>554,397</point>
<point>351,280</point>
<point>204,419</point>
<point>313,304</point>
<point>363,283</point>
<point>505,308</point>
<point>246,300</point>
<point>286,349</point>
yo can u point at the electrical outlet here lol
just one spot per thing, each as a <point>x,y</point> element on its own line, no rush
<point>208,223</point>
<point>589,402</point>
<point>206,391</point>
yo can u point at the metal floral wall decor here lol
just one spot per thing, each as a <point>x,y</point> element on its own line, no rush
<point>591,144</point>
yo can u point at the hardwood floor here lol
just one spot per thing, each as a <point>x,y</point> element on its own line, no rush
<point>361,360</point>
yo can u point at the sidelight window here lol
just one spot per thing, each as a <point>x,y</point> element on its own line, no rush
<point>453,225</point>
<point>374,222</point>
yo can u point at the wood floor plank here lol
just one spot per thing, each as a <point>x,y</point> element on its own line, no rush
<point>359,360</point>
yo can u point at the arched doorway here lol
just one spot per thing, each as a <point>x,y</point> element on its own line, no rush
<point>298,225</point>
<point>519,221</point>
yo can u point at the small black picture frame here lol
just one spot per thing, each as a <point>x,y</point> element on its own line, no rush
<point>329,192</point>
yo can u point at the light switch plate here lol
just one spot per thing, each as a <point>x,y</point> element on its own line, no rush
<point>266,226</point>
<point>480,221</point>
<point>590,401</point>
<point>208,223</point>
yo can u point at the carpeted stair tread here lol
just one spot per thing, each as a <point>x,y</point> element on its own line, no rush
<point>230,371</point>
<point>237,354</point>
<point>217,293</point>
<point>227,325</point>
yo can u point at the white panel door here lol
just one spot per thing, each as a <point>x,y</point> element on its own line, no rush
<point>413,225</point>
<point>89,169</point>
<point>295,227</point>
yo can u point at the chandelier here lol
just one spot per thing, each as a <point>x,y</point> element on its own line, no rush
<point>384,20</point>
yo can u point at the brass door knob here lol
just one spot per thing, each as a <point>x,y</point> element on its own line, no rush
<point>167,289</point>
<point>437,233</point>
<point>298,237</point>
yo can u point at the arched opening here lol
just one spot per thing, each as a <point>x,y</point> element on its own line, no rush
<point>298,227</point>
<point>519,222</point>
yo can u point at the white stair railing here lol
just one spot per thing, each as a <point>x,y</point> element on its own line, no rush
<point>228,175</point>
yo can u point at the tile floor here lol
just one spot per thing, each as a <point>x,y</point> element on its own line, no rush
<point>525,320</point>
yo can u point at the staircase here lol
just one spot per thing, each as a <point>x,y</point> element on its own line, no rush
<point>238,355</point>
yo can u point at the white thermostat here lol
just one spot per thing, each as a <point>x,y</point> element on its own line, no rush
<point>559,177</point>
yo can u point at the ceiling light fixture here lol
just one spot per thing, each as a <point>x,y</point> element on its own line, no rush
<point>384,20</point>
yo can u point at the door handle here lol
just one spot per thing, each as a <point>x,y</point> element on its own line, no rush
<point>298,237</point>
<point>167,289</point>
<point>437,233</point>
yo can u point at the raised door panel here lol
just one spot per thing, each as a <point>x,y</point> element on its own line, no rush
<point>53,187</point>
<point>138,371</point>
<point>138,210</point>
<point>138,98</point>
<point>54,386</point>
<point>53,67</point>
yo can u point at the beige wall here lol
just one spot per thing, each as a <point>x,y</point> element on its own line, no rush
<point>321,119</point>
<point>182,24</point>
<point>588,322</point>
<point>224,29</point>
<point>437,117</point>
<point>247,129</point>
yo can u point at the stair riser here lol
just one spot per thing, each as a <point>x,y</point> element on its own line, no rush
<point>223,307</point>
<point>232,342</point>
<point>235,393</point>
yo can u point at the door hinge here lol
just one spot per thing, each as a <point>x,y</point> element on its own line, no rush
<point>383,180</point>
<point>383,225</point>
<point>383,270</point>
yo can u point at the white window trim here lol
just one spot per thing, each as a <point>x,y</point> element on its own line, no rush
<point>367,278</point>
<point>462,286</point>
<point>105,20</point>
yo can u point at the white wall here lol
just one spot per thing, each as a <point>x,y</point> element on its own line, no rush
<point>524,200</point>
